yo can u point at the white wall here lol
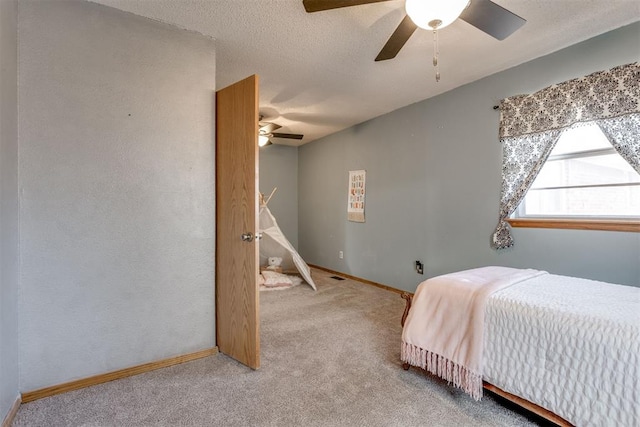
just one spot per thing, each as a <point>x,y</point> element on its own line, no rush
<point>433,185</point>
<point>9,210</point>
<point>117,191</point>
<point>279,168</point>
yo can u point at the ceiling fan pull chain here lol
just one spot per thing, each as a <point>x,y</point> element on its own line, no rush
<point>436,53</point>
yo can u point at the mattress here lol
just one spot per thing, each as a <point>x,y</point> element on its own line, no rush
<point>569,345</point>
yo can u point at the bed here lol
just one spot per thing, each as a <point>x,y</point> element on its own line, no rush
<point>566,348</point>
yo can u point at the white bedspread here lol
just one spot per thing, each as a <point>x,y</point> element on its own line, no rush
<point>569,345</point>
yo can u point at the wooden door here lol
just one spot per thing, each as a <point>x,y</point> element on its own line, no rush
<point>237,259</point>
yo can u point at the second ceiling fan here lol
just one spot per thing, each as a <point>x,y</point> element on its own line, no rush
<point>266,133</point>
<point>485,15</point>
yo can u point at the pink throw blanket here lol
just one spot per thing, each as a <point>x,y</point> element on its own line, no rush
<point>444,330</point>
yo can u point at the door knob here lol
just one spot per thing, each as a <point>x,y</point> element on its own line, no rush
<point>247,237</point>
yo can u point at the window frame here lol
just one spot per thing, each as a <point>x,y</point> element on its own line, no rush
<point>576,224</point>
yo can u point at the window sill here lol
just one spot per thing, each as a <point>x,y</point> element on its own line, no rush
<point>577,224</point>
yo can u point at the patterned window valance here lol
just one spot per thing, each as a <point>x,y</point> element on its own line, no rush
<point>601,95</point>
<point>530,126</point>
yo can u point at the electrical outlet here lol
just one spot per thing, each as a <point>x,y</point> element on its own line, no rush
<point>419,267</point>
<point>341,255</point>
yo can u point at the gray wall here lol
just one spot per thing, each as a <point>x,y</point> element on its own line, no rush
<point>279,168</point>
<point>117,191</point>
<point>433,184</point>
<point>9,207</point>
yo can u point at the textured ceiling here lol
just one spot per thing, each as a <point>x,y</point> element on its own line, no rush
<point>317,71</point>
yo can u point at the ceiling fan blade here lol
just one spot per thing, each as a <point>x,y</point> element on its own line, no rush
<point>320,5</point>
<point>492,18</point>
<point>268,127</point>
<point>287,135</point>
<point>397,39</point>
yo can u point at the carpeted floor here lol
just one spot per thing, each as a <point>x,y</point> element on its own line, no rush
<point>329,358</point>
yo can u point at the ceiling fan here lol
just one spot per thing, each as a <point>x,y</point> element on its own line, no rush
<point>266,133</point>
<point>485,15</point>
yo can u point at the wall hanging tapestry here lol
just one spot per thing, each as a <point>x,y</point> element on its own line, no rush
<point>355,204</point>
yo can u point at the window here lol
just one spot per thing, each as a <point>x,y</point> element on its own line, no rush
<point>583,178</point>
<point>585,185</point>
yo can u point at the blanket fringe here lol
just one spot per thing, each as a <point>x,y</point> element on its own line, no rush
<point>470,382</point>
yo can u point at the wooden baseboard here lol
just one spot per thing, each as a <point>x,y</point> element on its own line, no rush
<point>115,375</point>
<point>359,279</point>
<point>8,419</point>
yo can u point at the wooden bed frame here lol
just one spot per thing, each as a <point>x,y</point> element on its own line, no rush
<point>523,403</point>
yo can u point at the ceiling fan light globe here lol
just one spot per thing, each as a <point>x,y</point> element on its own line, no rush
<point>263,140</point>
<point>425,12</point>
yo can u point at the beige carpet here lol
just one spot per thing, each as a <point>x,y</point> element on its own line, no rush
<point>329,358</point>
